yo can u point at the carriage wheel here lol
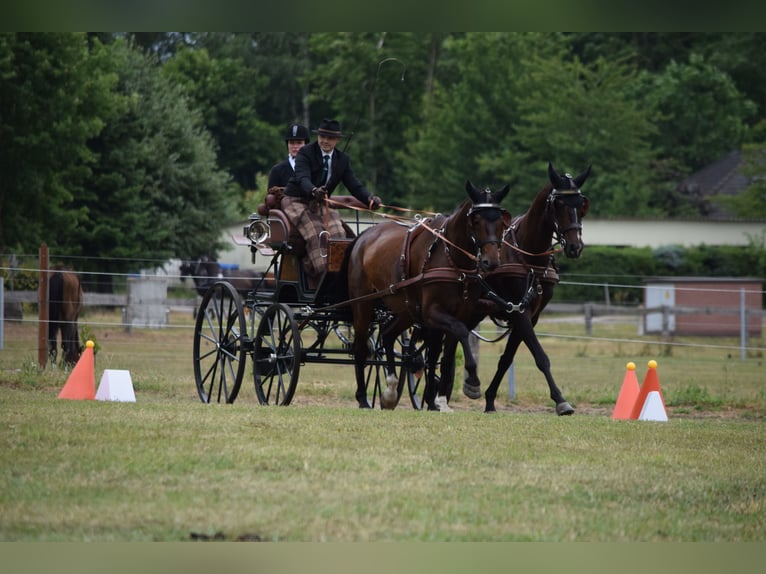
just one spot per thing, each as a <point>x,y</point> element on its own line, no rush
<point>219,354</point>
<point>416,369</point>
<point>375,368</point>
<point>276,356</point>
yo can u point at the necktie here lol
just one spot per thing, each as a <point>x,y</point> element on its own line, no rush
<point>326,159</point>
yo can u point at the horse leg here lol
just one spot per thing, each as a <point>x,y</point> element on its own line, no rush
<point>447,374</point>
<point>503,364</point>
<point>471,385</point>
<point>361,351</point>
<point>434,339</point>
<point>389,397</point>
<point>52,340</point>
<point>69,344</point>
<point>544,365</point>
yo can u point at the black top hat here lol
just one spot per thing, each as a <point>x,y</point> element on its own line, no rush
<point>329,128</point>
<point>297,132</point>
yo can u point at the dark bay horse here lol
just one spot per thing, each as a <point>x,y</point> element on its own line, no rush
<point>523,284</point>
<point>423,274</point>
<point>205,271</point>
<point>64,306</point>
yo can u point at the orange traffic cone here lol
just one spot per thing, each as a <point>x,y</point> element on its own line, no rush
<point>650,406</point>
<point>81,384</point>
<point>628,394</point>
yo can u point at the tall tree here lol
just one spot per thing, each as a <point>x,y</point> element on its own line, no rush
<point>224,90</point>
<point>702,114</point>
<point>156,191</point>
<point>52,98</point>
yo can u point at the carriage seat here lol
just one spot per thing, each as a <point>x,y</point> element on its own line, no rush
<point>282,232</point>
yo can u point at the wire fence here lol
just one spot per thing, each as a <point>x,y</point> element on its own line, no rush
<point>737,314</point>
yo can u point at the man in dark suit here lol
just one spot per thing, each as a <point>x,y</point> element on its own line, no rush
<point>296,137</point>
<point>319,168</point>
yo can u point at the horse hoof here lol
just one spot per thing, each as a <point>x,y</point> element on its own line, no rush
<point>364,405</point>
<point>564,408</point>
<point>388,399</point>
<point>441,405</point>
<point>472,391</point>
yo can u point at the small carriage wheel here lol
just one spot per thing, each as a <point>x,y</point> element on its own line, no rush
<point>276,356</point>
<point>219,353</point>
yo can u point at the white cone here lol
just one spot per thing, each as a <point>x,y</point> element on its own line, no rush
<point>116,385</point>
<point>653,409</point>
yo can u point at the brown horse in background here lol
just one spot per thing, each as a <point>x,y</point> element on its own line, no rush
<point>422,274</point>
<point>64,306</point>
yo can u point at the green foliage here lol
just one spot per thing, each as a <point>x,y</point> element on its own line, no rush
<point>19,275</point>
<point>222,90</point>
<point>52,97</point>
<point>87,334</point>
<point>702,114</point>
<point>626,268</point>
<point>156,191</point>
<point>136,147</point>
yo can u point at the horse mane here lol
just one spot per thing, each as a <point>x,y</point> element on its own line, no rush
<point>536,212</point>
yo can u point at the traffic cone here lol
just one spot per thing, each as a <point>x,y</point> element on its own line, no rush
<point>81,384</point>
<point>628,394</point>
<point>650,405</point>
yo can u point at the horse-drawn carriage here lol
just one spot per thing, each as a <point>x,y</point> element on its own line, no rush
<point>393,296</point>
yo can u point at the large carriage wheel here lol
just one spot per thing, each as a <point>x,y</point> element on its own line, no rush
<point>276,356</point>
<point>219,354</point>
<point>375,368</point>
<point>415,363</point>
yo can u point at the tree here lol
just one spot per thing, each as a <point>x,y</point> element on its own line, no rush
<point>155,191</point>
<point>52,99</point>
<point>702,115</point>
<point>224,89</point>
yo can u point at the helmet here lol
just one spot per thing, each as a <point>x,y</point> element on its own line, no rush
<point>297,132</point>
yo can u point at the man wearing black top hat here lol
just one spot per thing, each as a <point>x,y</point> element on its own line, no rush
<point>296,137</point>
<point>319,168</point>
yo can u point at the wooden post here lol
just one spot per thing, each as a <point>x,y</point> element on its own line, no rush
<point>588,318</point>
<point>42,303</point>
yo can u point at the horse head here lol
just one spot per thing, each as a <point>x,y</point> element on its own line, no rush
<point>568,206</point>
<point>187,269</point>
<point>487,222</point>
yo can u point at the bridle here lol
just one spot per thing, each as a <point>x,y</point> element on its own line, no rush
<point>492,238</point>
<point>573,199</point>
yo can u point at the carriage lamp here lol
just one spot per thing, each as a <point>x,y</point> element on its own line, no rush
<point>257,230</point>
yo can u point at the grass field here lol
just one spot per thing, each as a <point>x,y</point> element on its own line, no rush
<point>169,468</point>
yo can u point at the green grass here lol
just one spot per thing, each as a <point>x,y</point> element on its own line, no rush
<point>168,468</point>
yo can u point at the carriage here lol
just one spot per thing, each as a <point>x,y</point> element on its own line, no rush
<point>285,322</point>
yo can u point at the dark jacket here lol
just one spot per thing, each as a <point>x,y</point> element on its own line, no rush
<point>280,174</point>
<point>308,173</point>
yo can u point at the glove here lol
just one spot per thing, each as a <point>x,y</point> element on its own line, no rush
<point>374,202</point>
<point>319,193</point>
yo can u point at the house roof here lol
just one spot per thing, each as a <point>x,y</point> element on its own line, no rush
<point>722,177</point>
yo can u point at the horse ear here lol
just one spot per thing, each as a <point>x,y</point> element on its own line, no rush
<point>500,195</point>
<point>473,192</point>
<point>580,179</point>
<point>556,180</point>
